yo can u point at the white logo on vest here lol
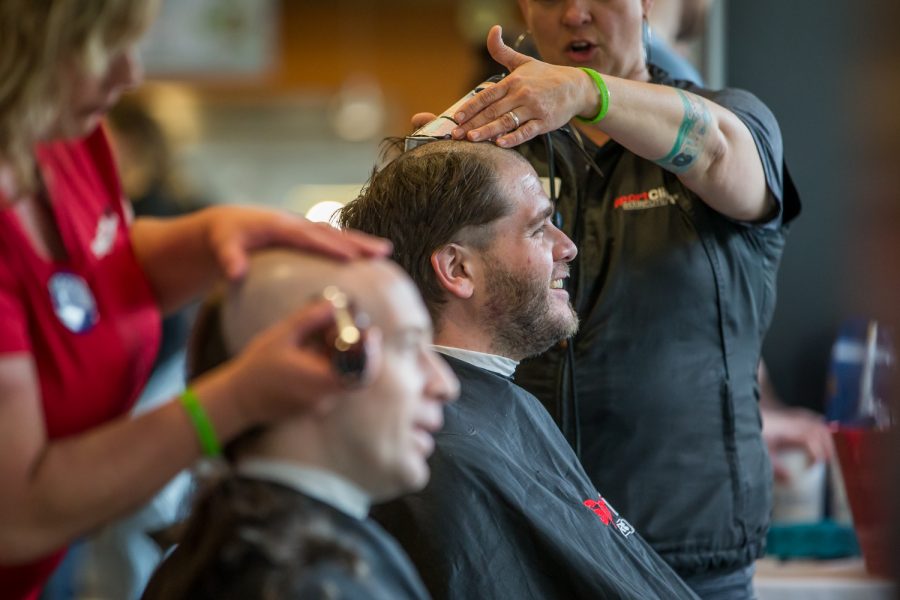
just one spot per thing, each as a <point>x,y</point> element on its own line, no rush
<point>105,236</point>
<point>73,302</point>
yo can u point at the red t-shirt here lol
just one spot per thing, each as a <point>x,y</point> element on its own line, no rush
<point>90,321</point>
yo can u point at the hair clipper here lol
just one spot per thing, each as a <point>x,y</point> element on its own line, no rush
<point>444,124</point>
<point>345,341</point>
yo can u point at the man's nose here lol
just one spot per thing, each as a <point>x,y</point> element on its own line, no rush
<point>564,249</point>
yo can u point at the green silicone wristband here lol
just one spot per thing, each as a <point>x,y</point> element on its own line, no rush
<point>603,92</point>
<point>209,443</point>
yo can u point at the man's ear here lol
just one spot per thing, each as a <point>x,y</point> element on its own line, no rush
<point>452,266</point>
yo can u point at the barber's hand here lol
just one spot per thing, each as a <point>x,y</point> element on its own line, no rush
<point>285,369</point>
<point>234,231</point>
<point>800,428</point>
<point>543,97</point>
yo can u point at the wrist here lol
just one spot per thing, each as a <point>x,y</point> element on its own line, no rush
<point>220,394</point>
<point>598,97</point>
<point>589,102</point>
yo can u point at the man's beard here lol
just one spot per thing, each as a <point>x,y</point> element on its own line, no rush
<point>520,316</point>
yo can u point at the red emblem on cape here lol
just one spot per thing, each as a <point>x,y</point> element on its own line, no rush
<point>600,509</point>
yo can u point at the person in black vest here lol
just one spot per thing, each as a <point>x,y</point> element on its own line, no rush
<point>509,511</point>
<point>290,520</point>
<point>679,201</point>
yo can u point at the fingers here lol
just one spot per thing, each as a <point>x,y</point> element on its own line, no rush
<point>325,239</point>
<point>527,131</point>
<point>494,121</point>
<point>233,259</point>
<point>481,108</point>
<point>818,443</point>
<point>309,320</point>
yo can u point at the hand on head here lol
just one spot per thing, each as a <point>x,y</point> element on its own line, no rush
<point>238,230</point>
<point>536,97</point>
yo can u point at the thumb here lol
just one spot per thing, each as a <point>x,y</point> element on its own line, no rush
<point>502,53</point>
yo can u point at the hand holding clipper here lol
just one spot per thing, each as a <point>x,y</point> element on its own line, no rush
<point>441,127</point>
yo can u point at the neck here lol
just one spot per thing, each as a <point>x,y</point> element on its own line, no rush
<point>455,332</point>
<point>307,443</point>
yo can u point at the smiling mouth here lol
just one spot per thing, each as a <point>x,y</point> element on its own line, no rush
<point>557,284</point>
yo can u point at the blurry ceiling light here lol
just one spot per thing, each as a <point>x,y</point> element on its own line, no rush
<point>324,212</point>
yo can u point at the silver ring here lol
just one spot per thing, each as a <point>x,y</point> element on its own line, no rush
<point>515,118</point>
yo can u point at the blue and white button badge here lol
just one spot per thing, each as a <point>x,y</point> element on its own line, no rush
<point>73,302</point>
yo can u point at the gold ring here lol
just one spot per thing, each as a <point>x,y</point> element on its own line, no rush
<point>515,118</point>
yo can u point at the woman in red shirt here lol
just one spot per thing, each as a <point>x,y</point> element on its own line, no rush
<point>82,289</point>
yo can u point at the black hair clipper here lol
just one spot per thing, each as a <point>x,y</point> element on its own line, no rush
<point>345,341</point>
<point>441,127</point>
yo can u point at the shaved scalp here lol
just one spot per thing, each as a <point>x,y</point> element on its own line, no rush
<point>279,282</point>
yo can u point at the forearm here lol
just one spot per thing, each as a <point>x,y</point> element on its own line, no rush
<point>705,145</point>
<point>79,483</point>
<point>176,256</point>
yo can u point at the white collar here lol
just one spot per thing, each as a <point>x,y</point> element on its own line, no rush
<point>492,362</point>
<point>322,485</point>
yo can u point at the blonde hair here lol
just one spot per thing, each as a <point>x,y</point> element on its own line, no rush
<point>38,38</point>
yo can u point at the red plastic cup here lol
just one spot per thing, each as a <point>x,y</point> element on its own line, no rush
<point>862,454</point>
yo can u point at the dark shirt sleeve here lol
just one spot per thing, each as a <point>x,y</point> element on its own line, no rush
<point>767,135</point>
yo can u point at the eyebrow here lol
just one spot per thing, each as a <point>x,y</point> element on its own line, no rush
<point>543,216</point>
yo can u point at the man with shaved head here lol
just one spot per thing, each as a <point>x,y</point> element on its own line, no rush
<point>290,520</point>
<point>509,511</point>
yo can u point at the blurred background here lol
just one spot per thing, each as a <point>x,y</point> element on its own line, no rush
<point>284,102</point>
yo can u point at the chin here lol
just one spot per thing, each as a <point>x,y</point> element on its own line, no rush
<point>411,479</point>
<point>416,478</point>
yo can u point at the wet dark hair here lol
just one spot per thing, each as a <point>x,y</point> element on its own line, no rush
<point>428,197</point>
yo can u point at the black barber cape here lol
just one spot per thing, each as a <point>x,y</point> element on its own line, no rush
<point>510,513</point>
<point>252,539</point>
